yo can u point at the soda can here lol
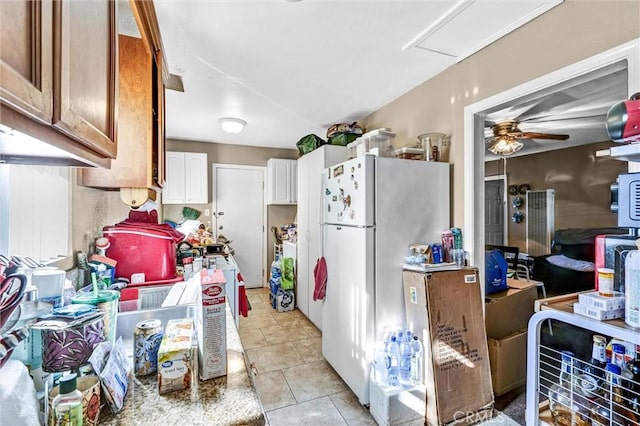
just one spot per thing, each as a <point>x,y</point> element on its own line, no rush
<point>436,252</point>
<point>147,337</point>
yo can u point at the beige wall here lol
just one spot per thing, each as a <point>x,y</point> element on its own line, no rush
<point>570,32</point>
<point>235,154</point>
<point>93,209</point>
<point>581,183</point>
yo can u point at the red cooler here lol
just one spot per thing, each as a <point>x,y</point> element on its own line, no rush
<point>143,248</point>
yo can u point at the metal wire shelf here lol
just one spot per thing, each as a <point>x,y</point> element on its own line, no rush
<point>543,371</point>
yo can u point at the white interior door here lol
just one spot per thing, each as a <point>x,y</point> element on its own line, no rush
<point>239,214</point>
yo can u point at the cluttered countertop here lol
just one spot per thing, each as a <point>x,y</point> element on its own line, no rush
<point>230,399</point>
<point>218,388</point>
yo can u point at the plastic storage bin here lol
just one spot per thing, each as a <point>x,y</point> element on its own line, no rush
<point>377,142</point>
<point>408,153</point>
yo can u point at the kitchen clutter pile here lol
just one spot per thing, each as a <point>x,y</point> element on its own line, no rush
<point>63,347</point>
<point>446,253</point>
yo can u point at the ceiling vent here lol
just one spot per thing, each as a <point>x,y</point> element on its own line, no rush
<point>482,26</point>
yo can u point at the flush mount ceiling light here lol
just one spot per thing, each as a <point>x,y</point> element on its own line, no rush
<point>232,125</point>
<point>506,145</point>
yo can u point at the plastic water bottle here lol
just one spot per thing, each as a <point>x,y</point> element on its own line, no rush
<point>276,271</point>
<point>380,364</point>
<point>406,350</point>
<point>417,362</point>
<point>393,354</point>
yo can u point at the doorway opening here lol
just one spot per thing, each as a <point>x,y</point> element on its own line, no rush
<point>475,120</point>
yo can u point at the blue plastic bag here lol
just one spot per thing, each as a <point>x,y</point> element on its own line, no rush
<point>495,267</point>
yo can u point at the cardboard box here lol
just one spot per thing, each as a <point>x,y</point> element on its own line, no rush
<point>212,325</point>
<point>508,362</point>
<point>175,356</point>
<point>508,312</point>
<point>597,314</point>
<point>507,316</point>
<point>593,299</point>
<point>444,309</point>
<point>396,406</point>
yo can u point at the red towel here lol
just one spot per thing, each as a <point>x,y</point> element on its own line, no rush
<point>320,276</point>
<point>243,301</point>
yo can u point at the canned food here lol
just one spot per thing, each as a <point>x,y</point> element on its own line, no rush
<point>147,337</point>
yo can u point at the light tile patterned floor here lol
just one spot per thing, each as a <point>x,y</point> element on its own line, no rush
<point>294,382</point>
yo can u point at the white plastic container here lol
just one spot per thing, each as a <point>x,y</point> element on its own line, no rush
<point>377,142</point>
<point>50,284</point>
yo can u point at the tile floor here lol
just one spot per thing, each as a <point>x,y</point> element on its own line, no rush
<point>294,382</point>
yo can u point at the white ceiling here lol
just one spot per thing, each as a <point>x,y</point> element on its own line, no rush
<point>577,107</point>
<point>291,68</point>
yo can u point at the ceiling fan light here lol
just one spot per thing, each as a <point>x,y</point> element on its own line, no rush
<point>505,146</point>
<point>232,125</point>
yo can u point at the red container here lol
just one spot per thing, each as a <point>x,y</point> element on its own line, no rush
<point>142,249</point>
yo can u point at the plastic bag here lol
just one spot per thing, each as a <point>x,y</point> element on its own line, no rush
<point>495,272</point>
<point>309,143</point>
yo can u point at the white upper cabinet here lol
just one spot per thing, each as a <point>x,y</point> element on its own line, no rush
<point>186,178</point>
<point>282,178</point>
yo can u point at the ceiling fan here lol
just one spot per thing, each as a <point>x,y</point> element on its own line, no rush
<point>506,135</point>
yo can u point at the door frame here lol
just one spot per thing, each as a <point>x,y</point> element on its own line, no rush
<point>474,147</point>
<point>263,169</point>
<point>505,207</point>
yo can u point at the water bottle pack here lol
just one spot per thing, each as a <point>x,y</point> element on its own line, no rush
<point>399,362</point>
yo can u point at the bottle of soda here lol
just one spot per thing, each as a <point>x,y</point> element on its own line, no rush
<point>595,369</point>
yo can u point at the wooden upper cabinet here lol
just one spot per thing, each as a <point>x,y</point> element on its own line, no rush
<point>58,74</point>
<point>140,161</point>
<point>85,72</point>
<point>25,57</point>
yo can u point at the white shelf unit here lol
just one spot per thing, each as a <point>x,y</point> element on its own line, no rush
<point>536,360</point>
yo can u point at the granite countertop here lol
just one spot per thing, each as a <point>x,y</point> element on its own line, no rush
<point>226,400</point>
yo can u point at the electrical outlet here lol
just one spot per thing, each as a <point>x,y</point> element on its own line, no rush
<point>207,212</point>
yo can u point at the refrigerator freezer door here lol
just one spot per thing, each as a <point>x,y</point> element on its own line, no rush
<point>347,311</point>
<point>349,192</point>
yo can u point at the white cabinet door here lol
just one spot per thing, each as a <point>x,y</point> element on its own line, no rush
<point>196,178</point>
<point>174,188</point>
<point>281,181</point>
<point>187,181</point>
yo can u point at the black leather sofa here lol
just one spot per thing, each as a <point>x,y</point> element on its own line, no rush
<point>579,244</point>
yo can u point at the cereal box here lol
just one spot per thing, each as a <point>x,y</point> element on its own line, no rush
<point>175,356</point>
<point>211,325</point>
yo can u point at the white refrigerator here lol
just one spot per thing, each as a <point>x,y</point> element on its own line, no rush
<point>373,209</point>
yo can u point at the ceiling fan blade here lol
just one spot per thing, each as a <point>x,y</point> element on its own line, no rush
<point>534,135</point>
